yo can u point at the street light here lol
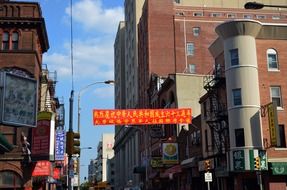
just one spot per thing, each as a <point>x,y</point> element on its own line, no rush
<point>79,114</point>
<point>255,5</point>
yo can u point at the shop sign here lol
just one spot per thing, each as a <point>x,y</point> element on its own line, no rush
<point>141,116</point>
<point>279,168</point>
<point>42,168</point>
<point>60,145</point>
<point>263,159</point>
<point>41,135</point>
<point>273,123</point>
<point>238,160</point>
<point>56,173</point>
<point>156,162</point>
<point>170,153</point>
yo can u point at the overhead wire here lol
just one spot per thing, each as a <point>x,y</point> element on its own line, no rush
<point>71,35</point>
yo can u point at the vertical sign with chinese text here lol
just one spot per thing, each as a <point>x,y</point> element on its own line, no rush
<point>238,160</point>
<point>273,123</point>
<point>60,145</point>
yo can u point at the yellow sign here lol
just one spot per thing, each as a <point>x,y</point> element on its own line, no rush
<point>273,123</point>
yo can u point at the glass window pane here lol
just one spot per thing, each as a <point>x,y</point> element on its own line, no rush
<point>15,36</point>
<point>234,57</point>
<point>236,97</point>
<point>5,36</point>
<point>190,48</point>
<point>276,96</point>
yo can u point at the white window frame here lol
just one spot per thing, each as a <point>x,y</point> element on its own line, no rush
<point>189,50</point>
<point>276,95</point>
<point>196,31</point>
<point>275,67</point>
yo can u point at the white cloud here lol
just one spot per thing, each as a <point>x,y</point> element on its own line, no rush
<point>92,58</point>
<point>93,15</point>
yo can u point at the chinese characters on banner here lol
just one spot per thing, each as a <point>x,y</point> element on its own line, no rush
<point>141,116</point>
<point>42,168</point>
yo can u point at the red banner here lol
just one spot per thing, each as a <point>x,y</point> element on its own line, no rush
<point>141,116</point>
<point>42,168</point>
<point>56,173</point>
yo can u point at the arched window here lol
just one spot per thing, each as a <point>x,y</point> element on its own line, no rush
<point>15,40</point>
<point>10,179</point>
<point>5,41</point>
<point>272,59</point>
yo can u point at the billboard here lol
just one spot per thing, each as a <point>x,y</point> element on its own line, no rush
<point>19,100</point>
<point>141,116</point>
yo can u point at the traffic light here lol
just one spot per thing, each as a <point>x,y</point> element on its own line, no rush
<point>72,143</point>
<point>257,163</point>
<point>207,165</point>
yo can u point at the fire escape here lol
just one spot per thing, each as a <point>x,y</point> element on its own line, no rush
<point>217,117</point>
<point>48,82</point>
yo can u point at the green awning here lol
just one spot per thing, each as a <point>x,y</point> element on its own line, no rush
<point>5,146</point>
<point>278,168</point>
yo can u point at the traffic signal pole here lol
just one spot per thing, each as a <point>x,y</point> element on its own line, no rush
<point>70,130</point>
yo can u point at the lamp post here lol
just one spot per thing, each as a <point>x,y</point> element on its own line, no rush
<point>79,116</point>
<point>255,5</point>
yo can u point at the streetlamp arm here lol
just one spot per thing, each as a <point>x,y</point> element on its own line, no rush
<point>255,5</point>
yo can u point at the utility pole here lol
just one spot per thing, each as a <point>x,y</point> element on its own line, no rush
<point>70,130</point>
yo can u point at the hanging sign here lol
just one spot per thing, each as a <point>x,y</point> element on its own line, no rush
<point>141,116</point>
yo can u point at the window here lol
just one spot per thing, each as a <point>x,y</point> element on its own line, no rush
<point>272,59</point>
<point>239,137</point>
<point>275,17</point>
<point>215,14</point>
<point>231,15</point>
<point>198,14</point>
<point>190,48</point>
<point>260,16</point>
<point>247,16</point>
<point>282,136</point>
<point>5,41</point>
<point>191,68</point>
<point>195,31</point>
<point>234,60</point>
<point>236,97</point>
<point>15,40</point>
<point>276,95</point>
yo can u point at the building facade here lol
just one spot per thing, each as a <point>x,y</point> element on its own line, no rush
<point>257,70</point>
<point>173,38</point>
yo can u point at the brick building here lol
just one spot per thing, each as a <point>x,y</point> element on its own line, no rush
<point>256,127</point>
<point>27,89</point>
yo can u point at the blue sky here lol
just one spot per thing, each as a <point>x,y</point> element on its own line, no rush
<point>95,23</point>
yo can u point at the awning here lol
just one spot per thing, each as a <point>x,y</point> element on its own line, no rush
<point>173,170</point>
<point>139,169</point>
<point>5,146</point>
<point>190,162</point>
